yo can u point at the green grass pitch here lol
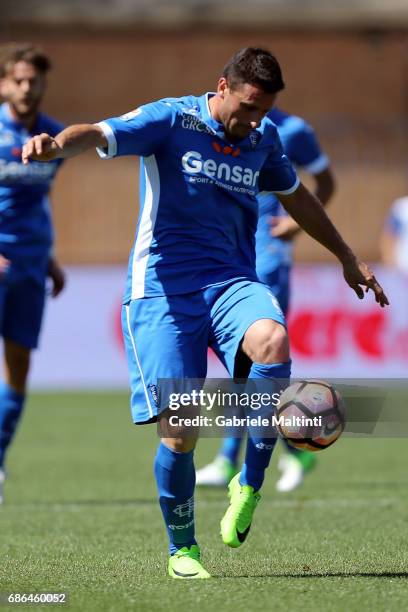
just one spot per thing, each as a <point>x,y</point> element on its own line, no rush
<point>81,517</point>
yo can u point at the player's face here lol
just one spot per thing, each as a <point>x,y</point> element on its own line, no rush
<point>242,108</point>
<point>23,88</point>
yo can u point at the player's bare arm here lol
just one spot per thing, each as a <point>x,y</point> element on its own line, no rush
<point>286,228</point>
<point>57,276</point>
<point>306,209</point>
<point>72,141</point>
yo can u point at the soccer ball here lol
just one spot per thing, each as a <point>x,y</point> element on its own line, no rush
<point>311,415</point>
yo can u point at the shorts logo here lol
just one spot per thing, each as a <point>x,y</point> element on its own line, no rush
<point>154,393</point>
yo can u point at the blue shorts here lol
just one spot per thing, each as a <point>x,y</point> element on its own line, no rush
<point>279,282</point>
<point>168,337</point>
<point>22,299</point>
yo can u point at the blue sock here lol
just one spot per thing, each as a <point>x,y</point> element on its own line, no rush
<point>175,478</point>
<point>230,449</point>
<point>259,449</point>
<point>11,408</point>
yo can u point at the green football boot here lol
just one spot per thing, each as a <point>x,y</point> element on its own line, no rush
<point>185,564</point>
<point>237,520</point>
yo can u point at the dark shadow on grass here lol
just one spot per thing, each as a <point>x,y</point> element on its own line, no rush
<point>321,575</point>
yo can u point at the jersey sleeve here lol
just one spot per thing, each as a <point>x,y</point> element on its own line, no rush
<point>278,174</point>
<point>302,147</point>
<point>139,132</point>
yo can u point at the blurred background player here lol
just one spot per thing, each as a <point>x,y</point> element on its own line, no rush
<point>274,249</point>
<point>25,227</point>
<point>394,239</point>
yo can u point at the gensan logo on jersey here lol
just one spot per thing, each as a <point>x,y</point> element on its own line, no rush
<point>233,177</point>
<point>34,173</point>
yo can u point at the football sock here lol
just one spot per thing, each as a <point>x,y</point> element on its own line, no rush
<point>175,478</point>
<point>11,408</point>
<point>230,449</point>
<point>259,447</point>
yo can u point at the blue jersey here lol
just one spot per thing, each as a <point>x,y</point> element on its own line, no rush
<point>302,148</point>
<point>25,222</point>
<point>198,194</point>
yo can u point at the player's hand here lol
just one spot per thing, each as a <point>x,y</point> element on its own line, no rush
<point>283,227</point>
<point>357,273</point>
<point>4,265</point>
<point>57,276</point>
<point>41,148</point>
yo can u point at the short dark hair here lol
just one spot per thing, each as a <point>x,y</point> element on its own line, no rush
<point>12,53</point>
<point>255,66</point>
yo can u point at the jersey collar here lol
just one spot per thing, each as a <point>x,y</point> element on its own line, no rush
<point>204,102</point>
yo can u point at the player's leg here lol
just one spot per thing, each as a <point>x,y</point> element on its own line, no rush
<point>12,392</point>
<point>2,473</point>
<point>266,343</point>
<point>247,317</point>
<point>293,467</point>
<point>224,466</point>
<point>166,338</point>
<point>175,477</point>
<point>221,470</point>
<point>294,463</point>
<point>22,312</point>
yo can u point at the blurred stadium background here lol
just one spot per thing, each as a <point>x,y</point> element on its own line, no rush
<point>346,71</point>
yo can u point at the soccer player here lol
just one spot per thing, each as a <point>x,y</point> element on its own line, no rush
<point>25,227</point>
<point>274,248</point>
<point>192,280</point>
<point>394,238</point>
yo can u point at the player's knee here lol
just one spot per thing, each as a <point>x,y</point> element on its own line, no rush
<point>180,444</point>
<point>267,342</point>
<point>273,346</point>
